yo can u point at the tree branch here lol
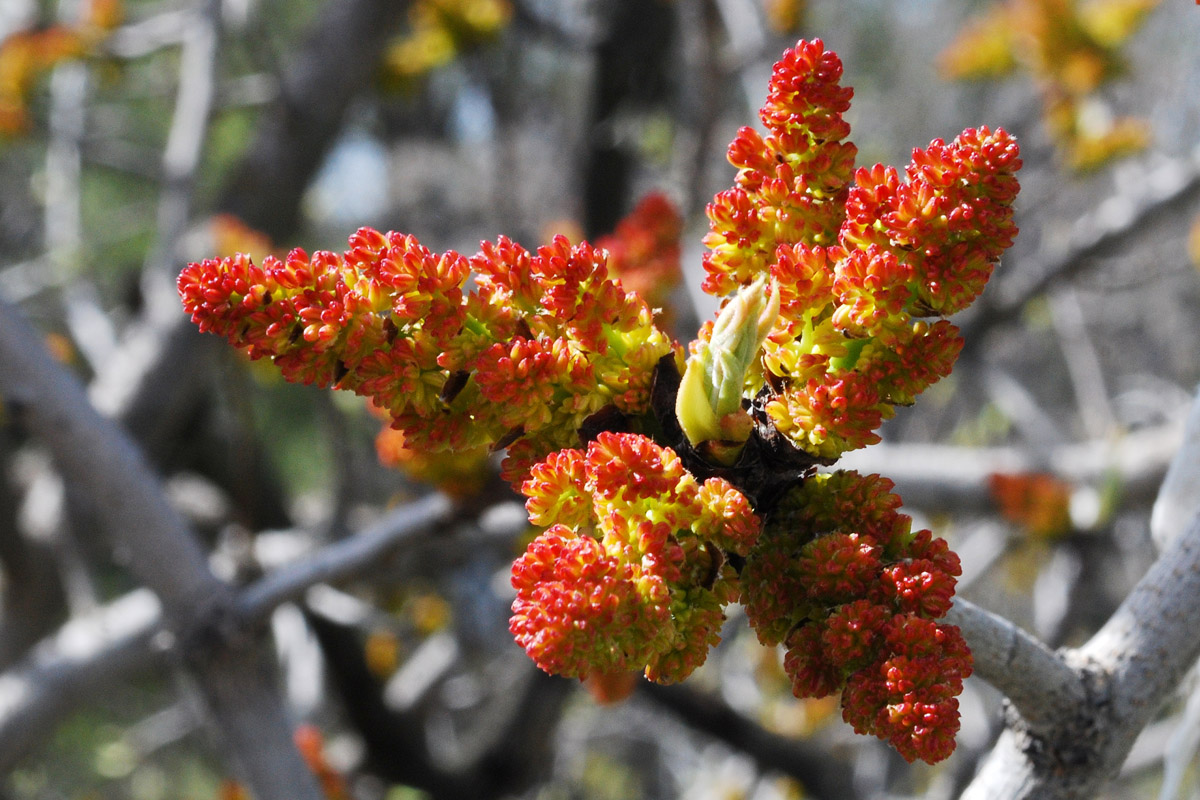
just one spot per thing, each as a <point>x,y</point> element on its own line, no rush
<point>181,155</point>
<point>93,454</point>
<point>143,385</point>
<point>85,656</point>
<point>90,653</point>
<point>343,559</point>
<point>822,776</point>
<point>1128,669</point>
<point>1179,496</point>
<point>1150,642</point>
<point>161,551</point>
<point>1040,685</point>
<point>945,476</point>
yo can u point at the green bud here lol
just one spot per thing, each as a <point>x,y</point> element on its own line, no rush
<point>709,402</point>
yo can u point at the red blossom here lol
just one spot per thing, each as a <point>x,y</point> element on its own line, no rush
<point>857,253</point>
<point>726,517</point>
<point>739,243</point>
<point>655,525</point>
<point>829,418</point>
<point>805,662</point>
<point>838,567</point>
<point>640,556</point>
<point>629,467</point>
<point>643,250</point>
<point>555,488</point>
<point>805,276</point>
<point>851,633</point>
<point>919,587</point>
<point>805,93</point>
<point>908,696</point>
<point>838,578</point>
<point>579,610</point>
<point>545,340</point>
<point>870,287</point>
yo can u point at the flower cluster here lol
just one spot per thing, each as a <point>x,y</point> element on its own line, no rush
<point>1072,48</point>
<point>865,260</point>
<point>839,578</point>
<point>439,30</point>
<point>1038,502</point>
<point>835,284</point>
<point>633,572</point>
<point>544,340</point>
<point>643,251</point>
<point>26,55</point>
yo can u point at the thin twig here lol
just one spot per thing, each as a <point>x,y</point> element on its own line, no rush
<point>143,384</point>
<point>154,336</point>
<point>181,155</point>
<point>1179,497</point>
<point>343,559</point>
<point>1171,186</point>
<point>145,36</point>
<point>1083,364</point>
<point>1036,426</point>
<point>946,476</point>
<point>63,221</point>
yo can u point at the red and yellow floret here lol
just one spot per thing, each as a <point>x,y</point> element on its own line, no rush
<point>643,250</point>
<point>909,695</point>
<point>658,536</point>
<point>545,340</point>
<point>580,610</point>
<point>860,256</point>
<point>840,580</point>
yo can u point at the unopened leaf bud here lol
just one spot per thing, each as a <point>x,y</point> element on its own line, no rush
<point>713,381</point>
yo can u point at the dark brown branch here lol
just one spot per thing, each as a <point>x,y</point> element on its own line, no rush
<point>821,775</point>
